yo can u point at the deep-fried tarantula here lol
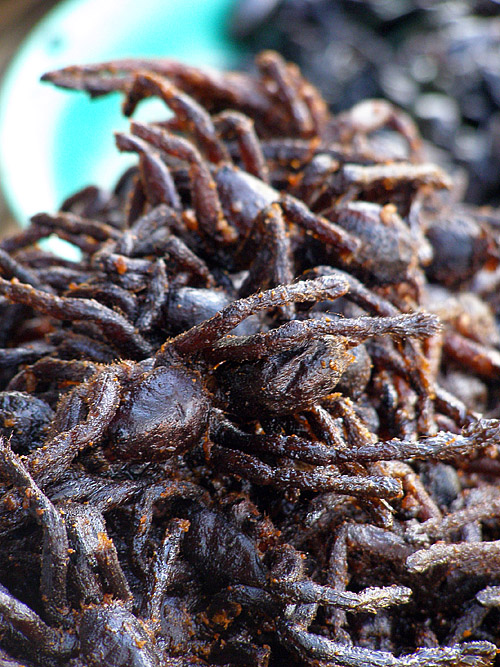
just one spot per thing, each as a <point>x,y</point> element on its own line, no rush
<point>233,422</point>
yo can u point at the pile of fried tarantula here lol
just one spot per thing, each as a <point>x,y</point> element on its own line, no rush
<point>256,423</point>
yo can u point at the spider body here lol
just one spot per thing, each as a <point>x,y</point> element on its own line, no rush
<point>163,411</point>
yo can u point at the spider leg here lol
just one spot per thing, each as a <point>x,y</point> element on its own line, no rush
<point>273,264</point>
<point>338,579</point>
<point>230,123</point>
<point>211,88</point>
<point>177,251</point>
<point>156,179</point>
<point>49,369</point>
<point>143,519</point>
<point>40,637</point>
<point>163,571</point>
<point>204,189</point>
<point>318,480</point>
<point>370,115</point>
<point>190,116</point>
<point>76,224</point>
<point>417,369</point>
<point>55,540</point>
<point>46,464</point>
<point>470,620</point>
<point>344,243</point>
<point>139,239</point>
<point>487,506</point>
<point>306,110</point>
<point>204,335</point>
<point>416,495</point>
<point>101,396</point>
<point>154,297</point>
<point>355,330</point>
<point>369,600</point>
<point>480,359</point>
<point>310,645</point>
<point>11,357</point>
<point>108,294</point>
<point>443,446</point>
<point>112,635</point>
<point>11,268</point>
<point>362,178</point>
<point>94,550</point>
<point>474,558</point>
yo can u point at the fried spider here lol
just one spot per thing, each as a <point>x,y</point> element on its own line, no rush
<point>161,407</point>
<point>235,431</point>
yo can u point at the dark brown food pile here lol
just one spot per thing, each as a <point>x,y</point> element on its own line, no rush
<point>236,432</point>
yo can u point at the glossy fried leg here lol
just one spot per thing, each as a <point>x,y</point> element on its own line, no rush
<point>156,179</point>
<point>55,541</point>
<point>324,479</point>
<point>204,190</point>
<point>39,637</point>
<point>204,335</point>
<point>229,123</point>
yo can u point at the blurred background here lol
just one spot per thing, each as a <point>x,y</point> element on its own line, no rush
<point>440,60</point>
<point>17,17</point>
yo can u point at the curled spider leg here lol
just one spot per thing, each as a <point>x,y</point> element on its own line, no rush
<point>100,396</point>
<point>155,176</point>
<point>416,495</point>
<point>55,540</point>
<point>288,82</point>
<point>95,550</point>
<point>206,201</point>
<point>177,252</point>
<point>48,463</point>
<point>359,178</point>
<point>190,116</point>
<point>370,115</point>
<point>54,370</point>
<point>230,123</point>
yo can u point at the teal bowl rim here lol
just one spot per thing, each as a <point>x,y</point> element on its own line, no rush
<point>31,112</point>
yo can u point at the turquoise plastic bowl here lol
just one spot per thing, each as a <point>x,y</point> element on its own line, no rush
<point>54,142</point>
